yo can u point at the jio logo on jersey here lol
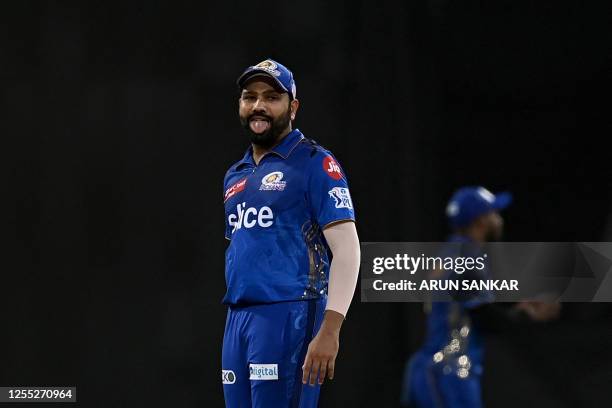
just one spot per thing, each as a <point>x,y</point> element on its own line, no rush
<point>331,168</point>
<point>250,217</point>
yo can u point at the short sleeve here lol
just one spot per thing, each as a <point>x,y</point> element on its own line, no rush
<point>328,191</point>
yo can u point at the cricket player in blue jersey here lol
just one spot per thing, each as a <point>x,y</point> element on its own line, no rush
<point>446,371</point>
<point>293,258</point>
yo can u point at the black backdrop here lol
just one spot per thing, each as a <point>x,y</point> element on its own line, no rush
<point>120,121</point>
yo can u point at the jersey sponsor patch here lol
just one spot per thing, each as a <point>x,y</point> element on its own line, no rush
<point>250,217</point>
<point>342,197</point>
<point>234,189</point>
<point>331,168</point>
<point>273,182</point>
<point>263,371</point>
<point>228,377</point>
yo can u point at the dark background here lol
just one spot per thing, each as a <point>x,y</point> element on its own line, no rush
<point>120,119</point>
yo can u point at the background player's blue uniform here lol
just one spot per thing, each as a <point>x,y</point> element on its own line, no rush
<point>277,268</point>
<point>446,371</point>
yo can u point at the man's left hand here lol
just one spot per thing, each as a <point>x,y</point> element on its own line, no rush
<point>322,351</point>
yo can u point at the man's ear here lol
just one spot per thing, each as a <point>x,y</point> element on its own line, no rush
<point>295,104</point>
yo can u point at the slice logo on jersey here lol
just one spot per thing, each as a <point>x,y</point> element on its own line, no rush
<point>228,376</point>
<point>269,66</point>
<point>263,371</point>
<point>342,197</point>
<point>250,217</point>
<point>331,168</point>
<point>273,182</point>
<point>234,189</point>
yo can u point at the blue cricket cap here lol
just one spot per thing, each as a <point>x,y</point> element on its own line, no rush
<point>468,203</point>
<point>275,70</point>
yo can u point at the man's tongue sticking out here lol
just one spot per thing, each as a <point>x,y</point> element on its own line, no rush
<point>259,125</point>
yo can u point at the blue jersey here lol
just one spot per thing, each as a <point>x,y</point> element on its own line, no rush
<point>446,371</point>
<point>275,213</point>
<point>450,321</point>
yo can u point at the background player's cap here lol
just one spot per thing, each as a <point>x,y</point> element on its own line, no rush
<point>468,203</point>
<point>275,70</point>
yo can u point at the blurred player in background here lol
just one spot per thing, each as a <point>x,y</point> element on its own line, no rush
<point>446,371</point>
<point>287,208</point>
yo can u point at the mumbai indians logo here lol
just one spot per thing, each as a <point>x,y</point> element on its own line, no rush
<point>268,66</point>
<point>342,197</point>
<point>273,181</point>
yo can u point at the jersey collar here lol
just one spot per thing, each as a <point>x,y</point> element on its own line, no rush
<point>283,149</point>
<point>286,146</point>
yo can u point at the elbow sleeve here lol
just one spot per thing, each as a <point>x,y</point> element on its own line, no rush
<point>343,274</point>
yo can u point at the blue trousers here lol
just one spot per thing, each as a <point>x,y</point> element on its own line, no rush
<point>428,386</point>
<point>264,347</point>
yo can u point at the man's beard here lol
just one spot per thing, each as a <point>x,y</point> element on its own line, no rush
<point>268,138</point>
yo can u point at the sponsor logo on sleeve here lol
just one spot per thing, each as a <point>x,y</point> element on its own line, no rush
<point>234,189</point>
<point>273,182</point>
<point>263,371</point>
<point>331,168</point>
<point>342,197</point>
<point>228,377</point>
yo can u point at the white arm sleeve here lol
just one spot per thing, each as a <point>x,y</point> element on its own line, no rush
<point>344,270</point>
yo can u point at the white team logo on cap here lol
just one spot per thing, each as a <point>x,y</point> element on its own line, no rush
<point>273,181</point>
<point>486,194</point>
<point>268,66</point>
